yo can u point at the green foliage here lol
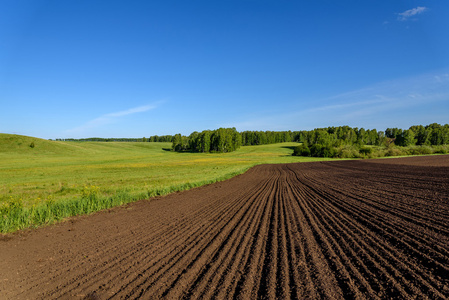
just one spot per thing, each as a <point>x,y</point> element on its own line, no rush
<point>421,150</point>
<point>358,151</point>
<point>269,137</point>
<point>221,140</point>
<point>405,137</point>
<point>203,141</point>
<point>432,134</point>
<point>442,149</point>
<point>394,151</point>
<point>316,150</point>
<point>301,150</point>
<point>349,151</point>
<point>347,142</point>
<point>180,143</point>
<point>422,134</point>
<point>153,139</point>
<point>319,150</point>
<point>366,150</point>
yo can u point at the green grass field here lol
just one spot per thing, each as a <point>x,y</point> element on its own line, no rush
<point>54,180</point>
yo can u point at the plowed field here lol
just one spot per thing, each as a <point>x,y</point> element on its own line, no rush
<point>341,229</point>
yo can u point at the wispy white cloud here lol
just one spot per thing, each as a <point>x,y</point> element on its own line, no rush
<point>418,99</point>
<point>349,105</point>
<point>110,118</point>
<point>130,111</point>
<point>404,16</point>
<point>442,78</point>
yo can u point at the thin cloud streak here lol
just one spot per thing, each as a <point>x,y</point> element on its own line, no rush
<point>404,16</point>
<point>378,106</point>
<point>131,111</point>
<point>348,105</point>
<point>110,118</point>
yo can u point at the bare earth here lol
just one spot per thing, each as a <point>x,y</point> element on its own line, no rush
<point>341,229</point>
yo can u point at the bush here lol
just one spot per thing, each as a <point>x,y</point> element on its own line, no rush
<point>319,150</point>
<point>420,150</point>
<point>366,150</point>
<point>301,150</point>
<point>442,149</point>
<point>348,153</point>
<point>393,151</point>
<point>356,151</point>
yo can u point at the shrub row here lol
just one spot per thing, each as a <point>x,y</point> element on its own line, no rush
<point>357,151</point>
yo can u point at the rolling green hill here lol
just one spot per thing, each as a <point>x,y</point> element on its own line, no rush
<point>53,180</point>
<point>13,143</point>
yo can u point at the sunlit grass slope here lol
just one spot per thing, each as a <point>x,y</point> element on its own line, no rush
<point>53,180</point>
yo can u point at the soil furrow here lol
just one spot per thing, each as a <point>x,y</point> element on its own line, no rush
<point>417,276</point>
<point>335,230</point>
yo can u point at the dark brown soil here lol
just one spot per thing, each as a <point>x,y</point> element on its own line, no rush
<point>341,229</point>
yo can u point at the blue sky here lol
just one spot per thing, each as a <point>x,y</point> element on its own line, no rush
<point>141,68</point>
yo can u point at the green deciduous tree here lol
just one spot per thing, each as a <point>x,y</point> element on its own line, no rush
<point>177,142</point>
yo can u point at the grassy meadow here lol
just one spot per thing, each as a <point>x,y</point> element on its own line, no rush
<point>44,181</point>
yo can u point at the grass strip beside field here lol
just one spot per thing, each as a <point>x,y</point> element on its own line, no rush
<point>55,180</point>
<point>17,216</point>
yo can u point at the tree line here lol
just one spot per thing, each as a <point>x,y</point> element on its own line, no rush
<point>154,138</point>
<point>345,141</point>
<point>432,134</point>
<point>229,139</point>
<point>219,140</point>
<point>330,141</point>
<point>250,138</point>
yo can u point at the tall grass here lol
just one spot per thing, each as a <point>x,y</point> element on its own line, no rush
<point>15,216</point>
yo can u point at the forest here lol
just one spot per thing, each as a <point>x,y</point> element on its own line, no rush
<point>341,141</point>
<point>154,138</point>
<point>347,142</point>
<point>220,140</point>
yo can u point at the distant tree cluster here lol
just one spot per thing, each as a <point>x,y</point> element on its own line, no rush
<point>161,139</point>
<point>343,135</point>
<point>155,138</point>
<point>345,141</point>
<point>219,140</point>
<point>250,138</point>
<point>433,134</point>
<point>97,139</point>
<point>342,141</point>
